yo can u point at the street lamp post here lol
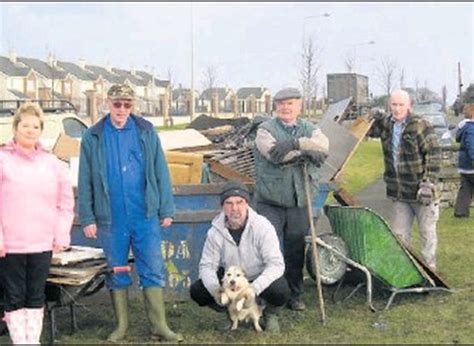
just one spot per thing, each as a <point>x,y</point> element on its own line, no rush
<point>324,15</point>
<point>192,64</point>
<point>371,42</point>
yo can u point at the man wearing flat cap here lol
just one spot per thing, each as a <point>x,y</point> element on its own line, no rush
<point>280,186</point>
<point>240,237</point>
<point>125,199</point>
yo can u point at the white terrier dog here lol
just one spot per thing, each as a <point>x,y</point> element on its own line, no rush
<point>239,297</point>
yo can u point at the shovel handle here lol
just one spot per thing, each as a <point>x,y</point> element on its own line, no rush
<point>313,242</point>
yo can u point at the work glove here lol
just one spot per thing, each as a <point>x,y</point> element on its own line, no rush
<point>425,193</point>
<point>315,157</point>
<point>280,149</point>
<point>305,143</point>
<point>376,114</point>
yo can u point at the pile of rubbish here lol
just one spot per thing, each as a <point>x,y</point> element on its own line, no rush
<point>229,133</point>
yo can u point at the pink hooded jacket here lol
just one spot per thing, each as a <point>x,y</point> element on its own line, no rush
<point>36,201</point>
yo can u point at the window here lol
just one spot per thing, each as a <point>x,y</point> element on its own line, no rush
<point>73,127</point>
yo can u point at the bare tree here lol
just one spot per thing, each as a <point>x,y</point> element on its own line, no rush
<point>350,61</point>
<point>210,81</point>
<point>308,74</point>
<point>386,72</point>
<point>417,89</point>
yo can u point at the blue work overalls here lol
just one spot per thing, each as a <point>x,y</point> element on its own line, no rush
<point>130,227</point>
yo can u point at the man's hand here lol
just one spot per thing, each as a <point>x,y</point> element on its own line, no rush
<point>376,114</point>
<point>425,193</point>
<point>90,231</point>
<point>59,248</point>
<point>280,149</point>
<point>316,157</point>
<point>221,298</point>
<point>166,222</point>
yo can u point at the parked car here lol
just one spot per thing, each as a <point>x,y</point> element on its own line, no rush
<point>427,107</point>
<point>441,126</point>
<point>60,117</point>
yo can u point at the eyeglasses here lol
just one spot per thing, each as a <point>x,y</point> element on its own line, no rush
<point>118,104</point>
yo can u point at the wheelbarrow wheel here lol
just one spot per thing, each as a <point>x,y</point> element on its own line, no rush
<point>332,268</point>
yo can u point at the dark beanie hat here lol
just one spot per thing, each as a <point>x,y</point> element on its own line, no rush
<point>234,188</point>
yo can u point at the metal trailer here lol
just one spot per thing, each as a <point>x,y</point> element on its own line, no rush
<point>182,243</point>
<point>344,85</point>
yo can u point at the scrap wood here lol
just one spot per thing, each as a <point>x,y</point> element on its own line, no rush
<point>73,272</point>
<point>70,281</point>
<point>66,147</point>
<point>344,198</point>
<point>228,173</point>
<point>76,254</point>
<point>359,129</point>
<point>216,131</point>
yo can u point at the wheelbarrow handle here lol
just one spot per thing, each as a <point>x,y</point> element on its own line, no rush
<point>119,269</point>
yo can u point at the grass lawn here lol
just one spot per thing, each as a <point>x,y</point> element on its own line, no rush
<point>174,127</point>
<point>437,317</point>
<point>364,167</point>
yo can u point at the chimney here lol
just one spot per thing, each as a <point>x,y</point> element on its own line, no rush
<point>13,56</point>
<point>82,63</point>
<point>52,60</point>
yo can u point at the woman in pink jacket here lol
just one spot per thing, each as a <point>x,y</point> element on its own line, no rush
<point>36,213</point>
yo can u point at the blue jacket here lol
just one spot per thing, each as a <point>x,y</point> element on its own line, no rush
<point>465,136</point>
<point>93,191</point>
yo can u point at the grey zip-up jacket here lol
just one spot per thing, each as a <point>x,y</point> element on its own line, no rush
<point>258,253</point>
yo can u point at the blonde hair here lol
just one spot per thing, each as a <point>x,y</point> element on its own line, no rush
<point>28,108</point>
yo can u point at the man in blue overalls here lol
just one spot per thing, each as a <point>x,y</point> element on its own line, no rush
<point>125,198</point>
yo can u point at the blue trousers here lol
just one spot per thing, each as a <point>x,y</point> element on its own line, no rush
<point>143,237</point>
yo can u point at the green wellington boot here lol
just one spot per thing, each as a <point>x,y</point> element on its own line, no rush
<point>155,310</point>
<point>120,304</point>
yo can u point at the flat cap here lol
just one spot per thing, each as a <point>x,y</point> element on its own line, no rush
<point>286,94</point>
<point>234,188</point>
<point>121,91</point>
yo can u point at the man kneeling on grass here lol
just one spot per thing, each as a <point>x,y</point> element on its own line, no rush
<point>241,237</point>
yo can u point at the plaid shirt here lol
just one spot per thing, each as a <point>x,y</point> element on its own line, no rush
<point>419,156</point>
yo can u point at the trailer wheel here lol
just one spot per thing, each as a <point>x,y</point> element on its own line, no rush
<point>332,268</point>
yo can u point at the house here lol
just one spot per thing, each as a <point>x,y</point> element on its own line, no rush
<point>84,85</point>
<point>157,93</point>
<point>181,101</point>
<point>16,82</point>
<point>51,82</point>
<point>80,81</point>
<point>252,100</point>
<point>224,99</point>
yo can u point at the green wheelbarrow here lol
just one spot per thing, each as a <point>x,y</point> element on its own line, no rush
<point>370,246</point>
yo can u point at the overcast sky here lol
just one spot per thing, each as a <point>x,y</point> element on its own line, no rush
<point>250,44</point>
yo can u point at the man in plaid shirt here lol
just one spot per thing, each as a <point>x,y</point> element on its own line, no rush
<point>412,158</point>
